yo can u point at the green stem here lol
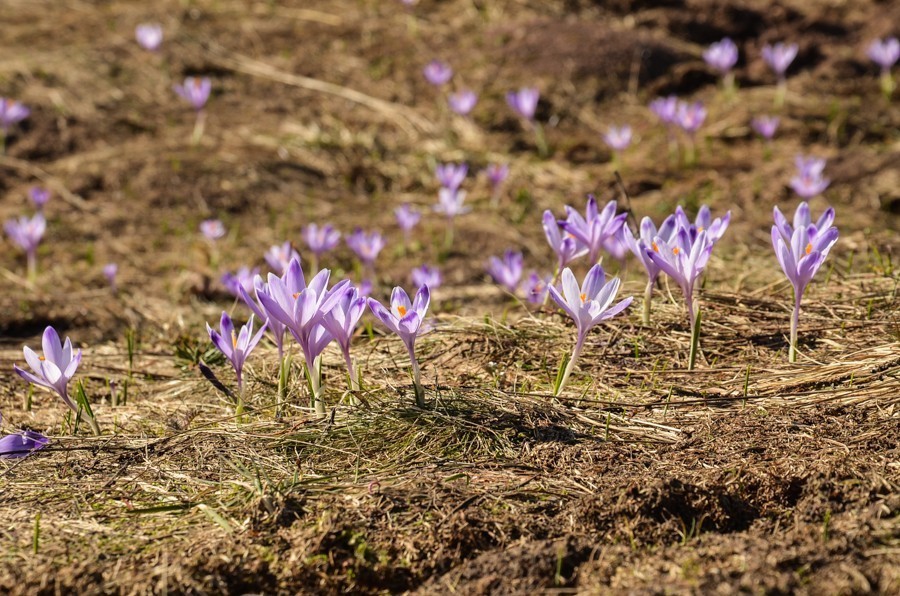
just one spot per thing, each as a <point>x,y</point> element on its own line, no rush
<point>31,259</point>
<point>648,295</point>
<point>314,374</point>
<point>540,140</point>
<point>795,322</point>
<point>570,366</point>
<point>695,342</point>
<point>417,377</point>
<point>199,126</point>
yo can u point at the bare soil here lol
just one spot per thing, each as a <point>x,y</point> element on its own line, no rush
<point>747,475</point>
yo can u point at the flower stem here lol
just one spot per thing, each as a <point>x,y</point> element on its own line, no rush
<point>540,140</point>
<point>354,381</point>
<point>887,83</point>
<point>648,295</point>
<point>695,341</point>
<point>199,125</point>
<point>795,322</point>
<point>417,377</point>
<point>448,236</point>
<point>313,373</point>
<point>31,259</point>
<point>570,366</point>
<point>780,92</point>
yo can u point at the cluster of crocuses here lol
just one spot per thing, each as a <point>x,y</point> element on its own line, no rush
<point>315,315</point>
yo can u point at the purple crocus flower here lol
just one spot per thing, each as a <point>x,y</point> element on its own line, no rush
<point>462,102</point>
<point>690,116</point>
<point>407,218</point>
<point>683,260</point>
<point>110,271</point>
<point>438,73</point>
<point>618,137</point>
<point>535,287</point>
<point>242,278</point>
<point>27,232</point>
<point>426,276</point>
<point>809,181</point>
<point>451,175</point>
<point>366,246</point>
<point>884,52</point>
<point>55,368</point>
<point>450,203</point>
<point>506,271</point>
<point>715,228</point>
<point>665,108</point>
<point>640,246</point>
<point>195,91</point>
<point>407,320</point>
<point>765,126</point>
<point>341,322</point>
<point>11,112</point>
<point>279,256</point>
<point>565,245</point>
<point>39,196</point>
<point>21,444</point>
<point>524,101</point>
<point>275,327</point>
<point>212,229</point>
<point>779,57</point>
<point>801,249</point>
<point>588,304</point>
<point>595,228</point>
<point>149,36</point>
<point>320,240</point>
<point>722,55</point>
<point>497,174</point>
<point>236,346</point>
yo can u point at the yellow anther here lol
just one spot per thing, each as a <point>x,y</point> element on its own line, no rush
<point>402,310</point>
<point>655,247</point>
<point>41,358</point>
<point>583,297</point>
<point>809,248</point>
<point>233,339</point>
<point>675,251</point>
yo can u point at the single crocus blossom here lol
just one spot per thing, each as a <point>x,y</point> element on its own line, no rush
<point>765,126</point>
<point>639,247</point>
<point>618,137</point>
<point>110,271</point>
<point>690,116</point>
<point>665,109</point>
<point>595,227</point>
<point>195,91</point>
<point>320,240</point>
<point>564,244</point>
<point>242,278</point>
<point>801,249</point>
<point>426,276</point>
<point>884,53</point>
<point>212,229</point>
<point>588,304</point>
<point>39,196</point>
<point>497,173</point>
<point>779,57</point>
<point>450,205</point>
<point>809,181</point>
<point>341,322</point>
<point>407,217</point>
<point>438,73</point>
<point>506,271</point>
<point>279,256</point>
<point>451,175</point>
<point>721,55</point>
<point>524,101</point>
<point>22,444</point>
<point>236,346</point>
<point>715,228</point>
<point>275,327</point>
<point>26,233</point>
<point>149,36</point>
<point>407,320</point>
<point>535,287</point>
<point>11,112</point>
<point>462,102</point>
<point>54,369</point>
<point>366,246</point>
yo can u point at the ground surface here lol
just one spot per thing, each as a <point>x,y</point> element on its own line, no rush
<point>747,474</point>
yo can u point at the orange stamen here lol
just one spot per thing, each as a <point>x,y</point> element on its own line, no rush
<point>402,310</point>
<point>809,248</point>
<point>296,294</point>
<point>655,247</point>
<point>699,229</point>
<point>675,251</point>
<point>41,358</point>
<point>233,339</point>
<point>583,297</point>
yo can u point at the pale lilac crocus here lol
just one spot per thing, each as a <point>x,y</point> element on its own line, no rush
<point>275,327</point>
<point>341,322</point>
<point>801,249</point>
<point>684,259</point>
<point>407,217</point>
<point>588,304</point>
<point>212,229</point>
<point>496,175</point>
<point>779,58</point>
<point>639,246</point>
<point>320,240</point>
<point>690,117</point>
<point>438,73</point>
<point>425,275</point>
<point>27,233</point>
<point>149,36</point>
<point>809,180</point>
<point>462,102</point>
<point>236,347</point>
<point>450,205</point>
<point>11,112</point>
<point>885,53</point>
<point>715,228</point>
<point>110,272</point>
<point>451,175</point>
<point>665,109</point>
<point>407,320</point>
<point>22,444</point>
<point>506,271</point>
<point>279,256</point>
<point>196,91</point>
<point>365,245</point>
<point>242,278</point>
<point>39,196</point>
<point>765,126</point>
<point>595,227</point>
<point>618,138</point>
<point>54,369</point>
<point>564,244</point>
<point>524,102</point>
<point>535,287</point>
<point>721,55</point>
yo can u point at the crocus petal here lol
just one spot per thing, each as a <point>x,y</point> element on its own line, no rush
<point>32,378</point>
<point>561,301</point>
<point>224,346</point>
<point>33,360</point>
<point>73,365</point>
<point>593,282</point>
<point>52,345</point>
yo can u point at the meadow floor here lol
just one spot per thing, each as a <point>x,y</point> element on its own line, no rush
<point>747,474</point>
